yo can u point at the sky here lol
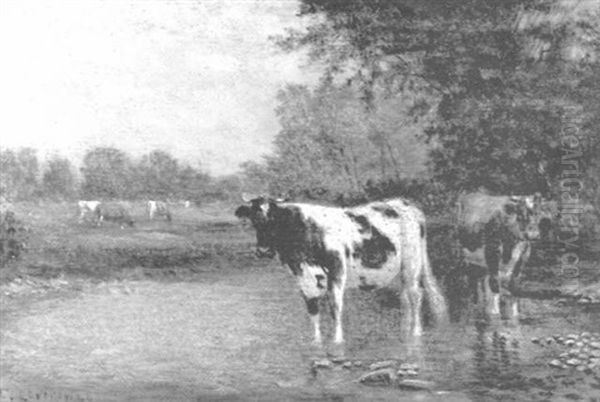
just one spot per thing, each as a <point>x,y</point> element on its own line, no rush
<point>195,78</point>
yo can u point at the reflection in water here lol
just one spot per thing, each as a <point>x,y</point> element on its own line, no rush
<point>246,334</point>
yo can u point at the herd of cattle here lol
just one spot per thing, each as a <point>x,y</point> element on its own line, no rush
<point>330,249</point>
<point>98,212</point>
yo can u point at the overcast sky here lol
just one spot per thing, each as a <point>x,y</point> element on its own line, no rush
<point>195,78</point>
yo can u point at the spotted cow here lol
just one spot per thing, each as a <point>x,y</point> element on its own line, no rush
<point>158,208</point>
<point>113,212</point>
<point>331,249</point>
<point>87,208</point>
<point>494,234</point>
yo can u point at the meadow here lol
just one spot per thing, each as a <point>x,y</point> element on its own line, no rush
<point>59,243</point>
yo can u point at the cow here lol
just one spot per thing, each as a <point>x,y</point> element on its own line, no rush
<point>87,208</point>
<point>158,208</point>
<point>494,236</point>
<point>113,212</point>
<point>331,249</point>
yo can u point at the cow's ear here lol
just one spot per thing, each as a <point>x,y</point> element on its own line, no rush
<point>243,212</point>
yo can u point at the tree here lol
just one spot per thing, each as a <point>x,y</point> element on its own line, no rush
<point>19,173</point>
<point>58,180</point>
<point>107,173</point>
<point>158,173</point>
<point>502,76</point>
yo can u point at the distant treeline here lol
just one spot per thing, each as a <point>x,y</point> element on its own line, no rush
<point>108,173</point>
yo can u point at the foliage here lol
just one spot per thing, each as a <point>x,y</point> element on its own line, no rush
<point>58,180</point>
<point>18,173</point>
<point>13,237</point>
<point>501,76</point>
<point>107,173</point>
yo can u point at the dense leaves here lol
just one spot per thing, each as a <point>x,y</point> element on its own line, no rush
<point>504,80</point>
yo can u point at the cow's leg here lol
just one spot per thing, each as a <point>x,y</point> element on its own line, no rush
<point>312,304</point>
<point>313,285</point>
<point>412,268</point>
<point>492,258</point>
<point>336,301</point>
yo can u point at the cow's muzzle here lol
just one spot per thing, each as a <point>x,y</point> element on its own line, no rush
<point>265,252</point>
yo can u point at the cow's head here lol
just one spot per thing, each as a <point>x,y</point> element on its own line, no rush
<point>259,210</point>
<point>524,212</point>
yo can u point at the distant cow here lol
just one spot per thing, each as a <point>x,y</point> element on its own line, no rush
<point>158,208</point>
<point>330,249</point>
<point>87,208</point>
<point>113,212</point>
<point>494,234</point>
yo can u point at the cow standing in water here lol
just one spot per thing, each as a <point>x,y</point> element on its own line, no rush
<point>330,249</point>
<point>158,208</point>
<point>494,234</point>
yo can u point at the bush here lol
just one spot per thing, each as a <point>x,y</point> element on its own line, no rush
<point>13,236</point>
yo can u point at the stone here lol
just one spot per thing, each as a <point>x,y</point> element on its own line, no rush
<point>573,362</point>
<point>595,353</point>
<point>564,355</point>
<point>569,342</point>
<point>549,340</point>
<point>382,364</point>
<point>535,340</point>
<point>416,385</point>
<point>322,363</point>
<point>560,340</point>
<point>409,366</point>
<point>383,376</point>
<point>585,334</point>
<point>572,336</point>
<point>595,345</point>
<point>581,368</point>
<point>358,363</point>
<point>583,356</point>
<point>347,364</point>
<point>578,344</point>
<point>556,364</point>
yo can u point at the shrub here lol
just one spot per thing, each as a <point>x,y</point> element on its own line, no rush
<point>13,236</point>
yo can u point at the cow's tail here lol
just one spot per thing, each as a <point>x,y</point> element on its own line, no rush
<point>435,298</point>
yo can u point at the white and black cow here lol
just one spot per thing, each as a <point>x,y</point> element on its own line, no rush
<point>494,234</point>
<point>330,249</point>
<point>113,212</point>
<point>87,208</point>
<point>158,208</point>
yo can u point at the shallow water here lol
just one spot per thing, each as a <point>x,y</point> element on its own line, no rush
<point>246,335</point>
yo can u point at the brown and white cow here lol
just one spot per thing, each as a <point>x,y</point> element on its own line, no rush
<point>158,208</point>
<point>87,208</point>
<point>494,234</point>
<point>113,212</point>
<point>330,249</point>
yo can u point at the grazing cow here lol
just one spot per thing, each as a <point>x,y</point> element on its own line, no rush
<point>494,234</point>
<point>113,212</point>
<point>158,208</point>
<point>330,249</point>
<point>87,208</point>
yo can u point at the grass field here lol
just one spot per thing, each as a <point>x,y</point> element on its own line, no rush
<point>59,243</point>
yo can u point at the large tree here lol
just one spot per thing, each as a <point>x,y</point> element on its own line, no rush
<point>107,173</point>
<point>504,76</point>
<point>58,180</point>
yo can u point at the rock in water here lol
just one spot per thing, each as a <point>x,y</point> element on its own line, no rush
<point>323,363</point>
<point>383,376</point>
<point>416,385</point>
<point>382,364</point>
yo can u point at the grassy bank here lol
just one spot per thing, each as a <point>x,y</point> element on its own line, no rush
<point>58,242</point>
